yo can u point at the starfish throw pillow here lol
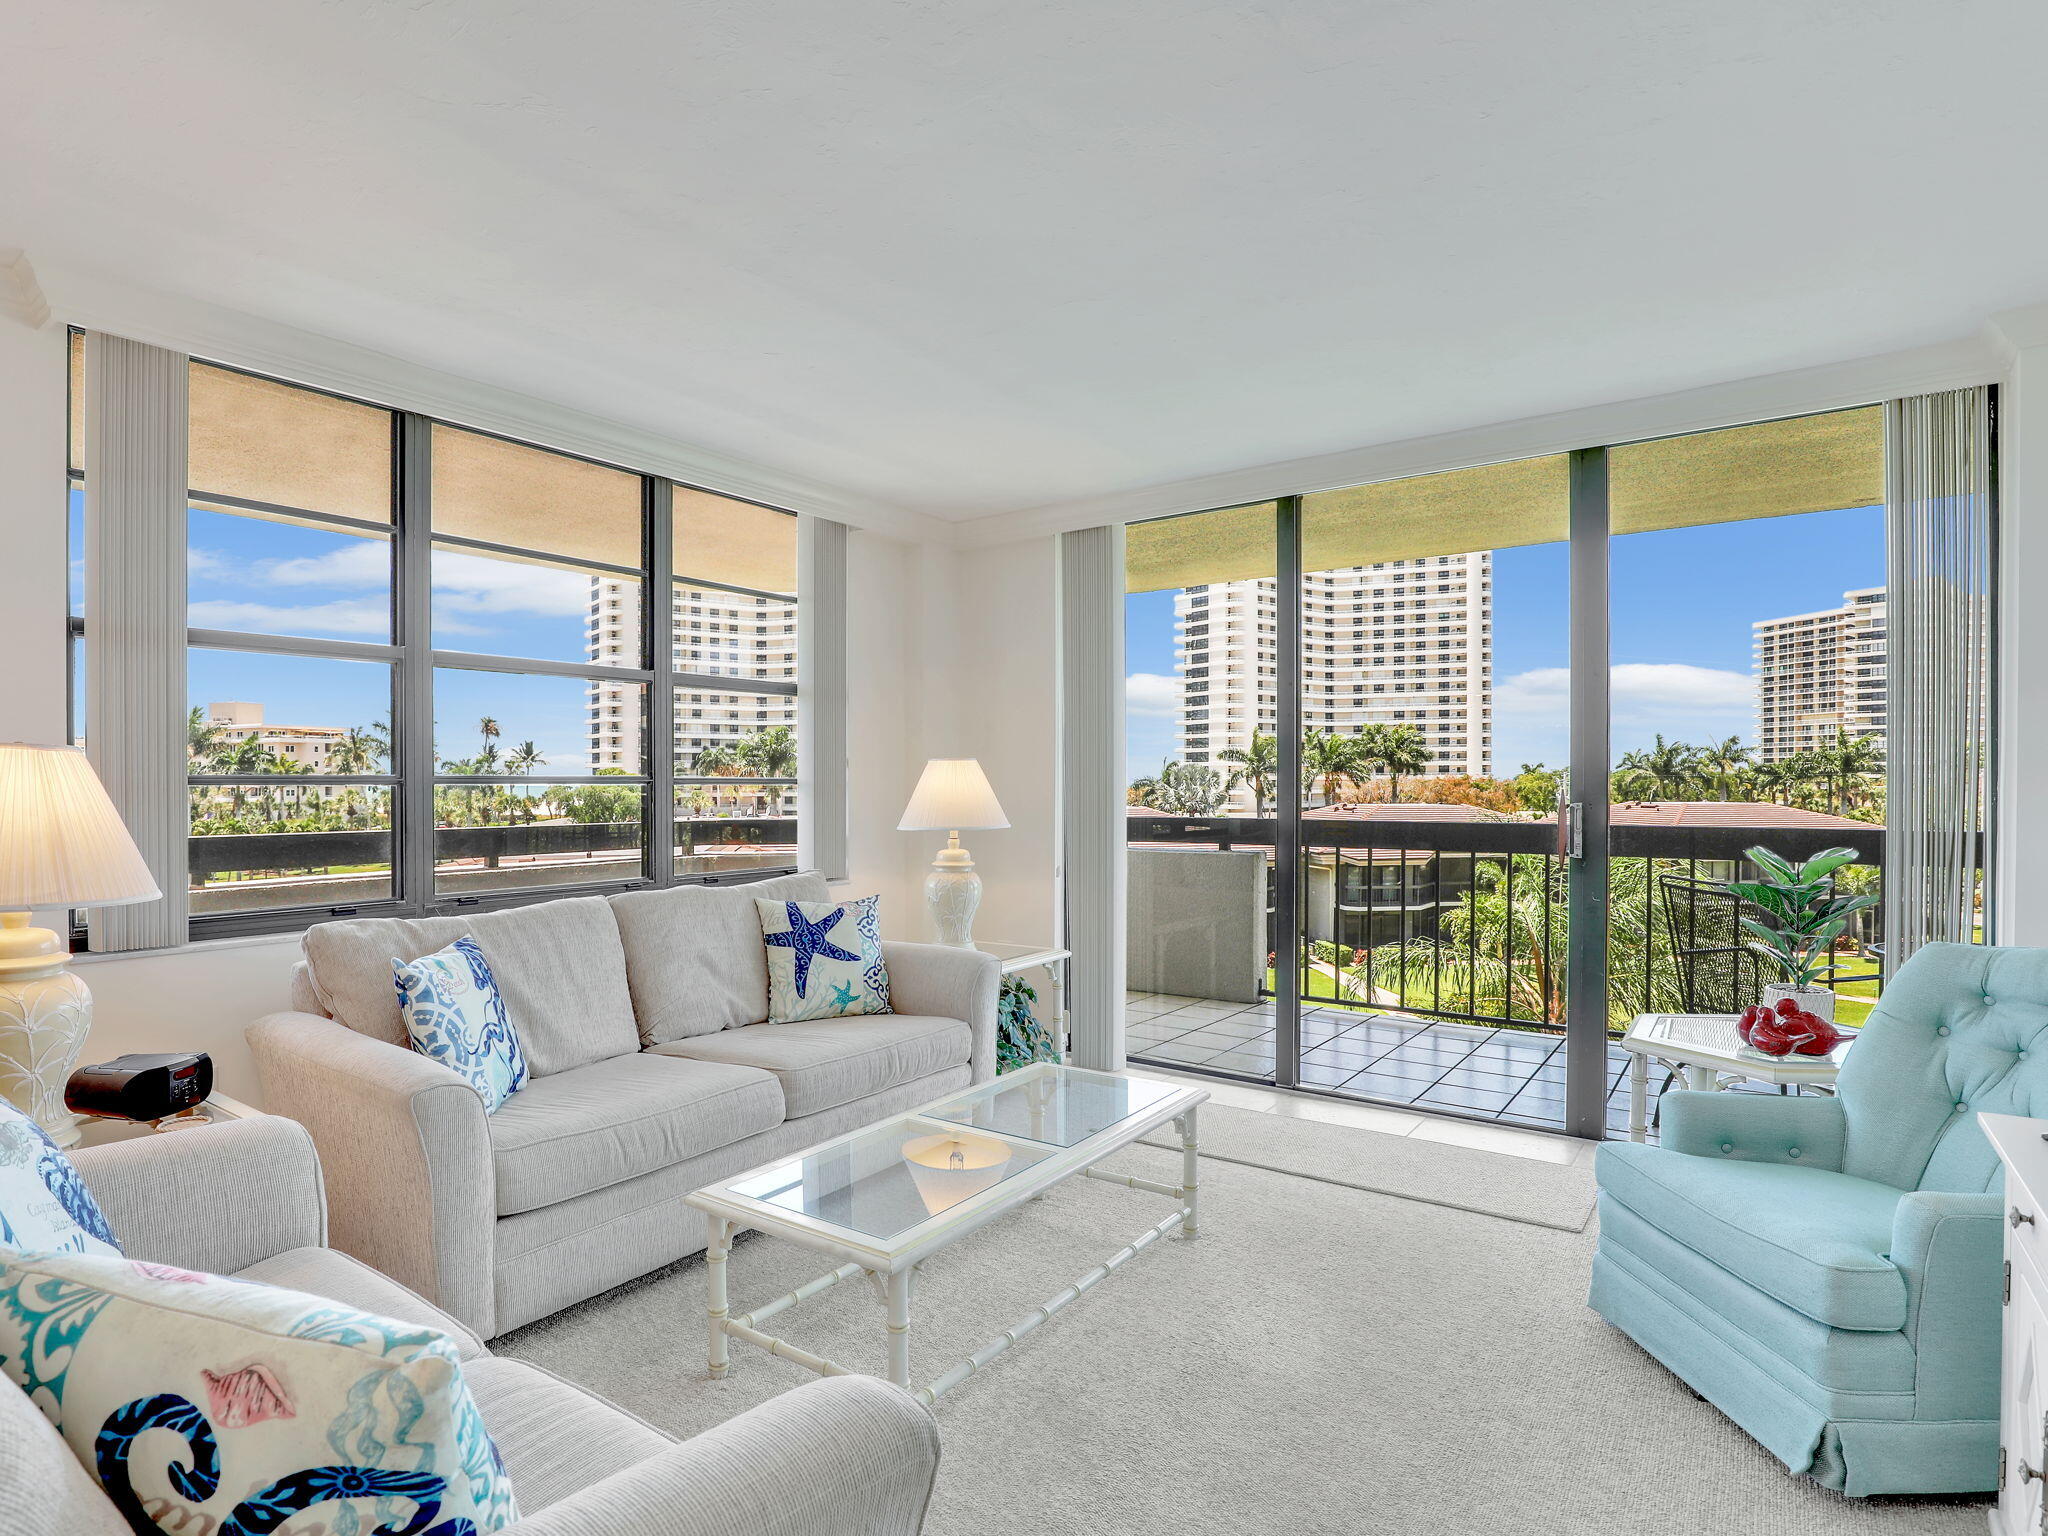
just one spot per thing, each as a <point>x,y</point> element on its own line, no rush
<point>824,959</point>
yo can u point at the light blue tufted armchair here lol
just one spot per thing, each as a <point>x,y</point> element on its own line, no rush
<point>1827,1271</point>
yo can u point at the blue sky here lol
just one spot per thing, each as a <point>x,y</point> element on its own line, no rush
<point>1683,603</point>
<point>284,579</point>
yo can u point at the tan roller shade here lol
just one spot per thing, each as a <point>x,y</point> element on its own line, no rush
<point>293,447</point>
<point>1772,469</point>
<point>505,493</point>
<point>734,543</point>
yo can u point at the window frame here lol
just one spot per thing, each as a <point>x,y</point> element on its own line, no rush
<point>413,773</point>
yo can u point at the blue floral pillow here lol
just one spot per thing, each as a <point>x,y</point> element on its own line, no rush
<point>44,1204</point>
<point>210,1404</point>
<point>455,1014</point>
<point>824,961</point>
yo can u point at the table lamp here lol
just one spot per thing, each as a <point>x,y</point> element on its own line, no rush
<point>62,844</point>
<point>952,793</point>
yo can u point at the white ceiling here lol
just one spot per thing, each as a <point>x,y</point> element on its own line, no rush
<point>965,258</point>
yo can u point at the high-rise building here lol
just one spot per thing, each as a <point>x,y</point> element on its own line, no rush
<point>1817,673</point>
<point>1403,642</point>
<point>717,634</point>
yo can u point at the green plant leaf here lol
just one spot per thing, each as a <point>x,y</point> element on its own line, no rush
<point>1821,865</point>
<point>1773,866</point>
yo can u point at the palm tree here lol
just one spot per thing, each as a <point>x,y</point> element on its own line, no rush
<point>1845,764</point>
<point>770,752</point>
<point>1328,759</point>
<point>1193,789</point>
<point>203,739</point>
<point>1666,771</point>
<point>1724,766</point>
<point>1399,749</point>
<point>1258,767</point>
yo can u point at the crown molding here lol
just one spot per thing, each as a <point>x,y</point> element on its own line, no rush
<point>202,329</point>
<point>1977,359</point>
<point>2016,330</point>
<point>21,295</point>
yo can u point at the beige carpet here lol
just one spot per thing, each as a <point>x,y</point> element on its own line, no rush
<point>1320,1360</point>
<point>1544,1194</point>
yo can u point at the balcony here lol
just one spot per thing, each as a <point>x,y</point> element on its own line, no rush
<point>1432,970</point>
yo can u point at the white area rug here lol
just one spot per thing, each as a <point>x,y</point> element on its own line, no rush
<point>1540,1193</point>
<point>1320,1360</point>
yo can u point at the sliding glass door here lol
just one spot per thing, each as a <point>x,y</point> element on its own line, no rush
<point>1434,783</point>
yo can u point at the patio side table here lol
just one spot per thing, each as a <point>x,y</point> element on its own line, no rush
<point>1706,1052</point>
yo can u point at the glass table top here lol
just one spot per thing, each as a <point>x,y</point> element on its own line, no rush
<point>1064,1106</point>
<point>882,1181</point>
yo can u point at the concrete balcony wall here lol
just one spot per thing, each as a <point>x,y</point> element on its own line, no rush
<point>1197,923</point>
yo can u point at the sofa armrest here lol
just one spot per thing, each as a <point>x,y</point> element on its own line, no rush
<point>948,983</point>
<point>847,1456</point>
<point>1951,1250</point>
<point>406,1152</point>
<point>216,1197</point>
<point>1756,1128</point>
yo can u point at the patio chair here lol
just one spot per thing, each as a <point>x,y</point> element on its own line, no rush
<point>1827,1271</point>
<point>1717,971</point>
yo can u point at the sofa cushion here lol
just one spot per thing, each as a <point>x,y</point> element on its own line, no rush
<point>595,1125</point>
<point>1814,1239</point>
<point>559,965</point>
<point>43,1488</point>
<point>694,957</point>
<point>44,1204</point>
<point>331,1273</point>
<point>834,1061</point>
<point>556,1439</point>
<point>455,1014</point>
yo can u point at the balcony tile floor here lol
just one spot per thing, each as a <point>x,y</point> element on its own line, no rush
<point>1511,1075</point>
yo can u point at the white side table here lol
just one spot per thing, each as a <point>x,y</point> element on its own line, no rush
<point>1030,957</point>
<point>98,1130</point>
<point>1705,1050</point>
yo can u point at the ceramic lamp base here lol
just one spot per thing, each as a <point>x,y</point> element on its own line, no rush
<point>953,891</point>
<point>43,1021</point>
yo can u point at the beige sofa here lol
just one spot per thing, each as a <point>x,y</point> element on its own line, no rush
<point>848,1457</point>
<point>651,1074</point>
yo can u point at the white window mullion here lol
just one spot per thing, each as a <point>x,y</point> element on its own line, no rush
<point>821,696</point>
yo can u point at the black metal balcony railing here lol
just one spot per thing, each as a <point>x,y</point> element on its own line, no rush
<point>1466,920</point>
<point>243,871</point>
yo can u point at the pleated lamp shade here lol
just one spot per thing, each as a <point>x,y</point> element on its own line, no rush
<point>951,794</point>
<point>62,843</point>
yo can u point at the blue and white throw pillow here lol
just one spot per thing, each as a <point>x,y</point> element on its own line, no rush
<point>209,1404</point>
<point>455,1014</point>
<point>824,960</point>
<point>44,1204</point>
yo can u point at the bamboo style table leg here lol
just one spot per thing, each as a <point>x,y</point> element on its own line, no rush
<point>1638,1097</point>
<point>1189,1163</point>
<point>717,1244</point>
<point>900,1286</point>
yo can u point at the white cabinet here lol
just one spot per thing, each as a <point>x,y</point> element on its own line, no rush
<point>2022,1508</point>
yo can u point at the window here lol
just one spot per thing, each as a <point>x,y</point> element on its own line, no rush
<point>428,670</point>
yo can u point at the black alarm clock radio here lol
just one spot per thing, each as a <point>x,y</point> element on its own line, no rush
<point>141,1086</point>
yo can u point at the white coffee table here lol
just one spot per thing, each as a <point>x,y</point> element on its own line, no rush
<point>886,1198</point>
<point>1706,1050</point>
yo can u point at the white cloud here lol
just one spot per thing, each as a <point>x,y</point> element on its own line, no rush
<point>356,563</point>
<point>476,584</point>
<point>1149,693</point>
<point>345,616</point>
<point>1646,690</point>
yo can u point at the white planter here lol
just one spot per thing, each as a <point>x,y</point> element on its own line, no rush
<point>1815,1000</point>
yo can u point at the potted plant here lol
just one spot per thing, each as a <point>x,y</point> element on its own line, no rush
<point>1802,918</point>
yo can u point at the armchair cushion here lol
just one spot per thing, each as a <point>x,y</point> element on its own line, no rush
<point>828,1062</point>
<point>559,965</point>
<point>693,953</point>
<point>1812,1238</point>
<point>331,1273</point>
<point>556,1439</point>
<point>599,1125</point>
<point>1807,1129</point>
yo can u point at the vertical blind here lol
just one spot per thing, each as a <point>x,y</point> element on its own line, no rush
<point>1938,509</point>
<point>135,475</point>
